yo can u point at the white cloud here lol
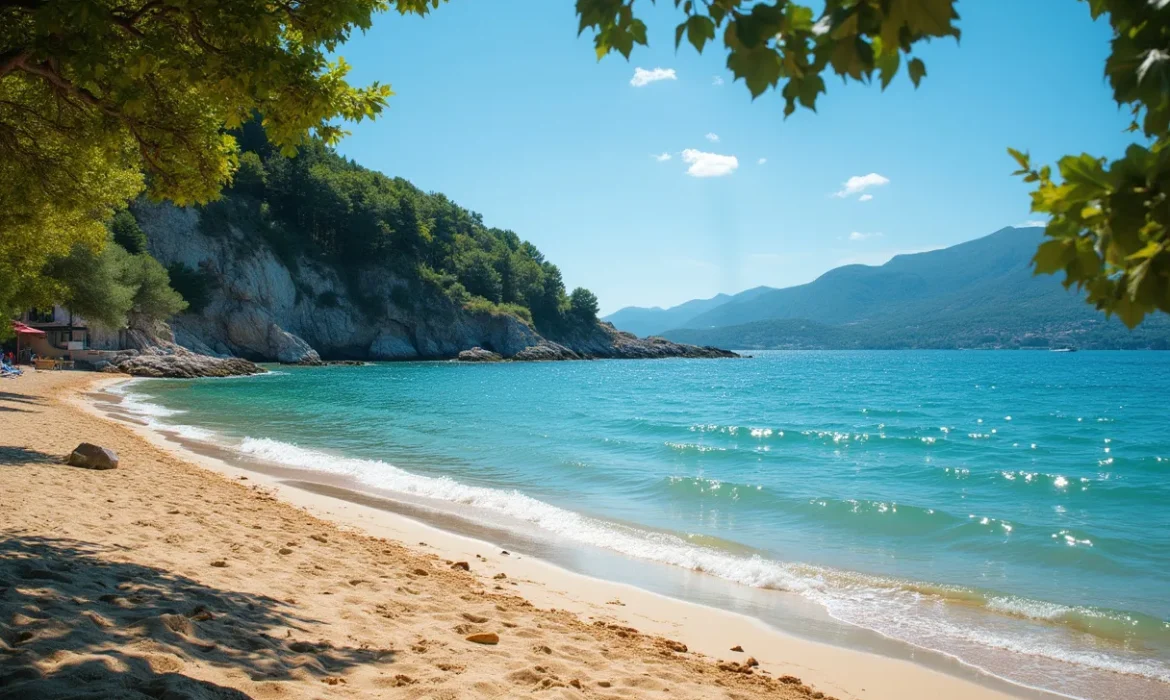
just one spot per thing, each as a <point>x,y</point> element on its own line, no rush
<point>717,81</point>
<point>643,77</point>
<point>865,198</point>
<point>708,164</point>
<point>661,157</point>
<point>859,183</point>
<point>761,161</point>
<point>1030,224</point>
<point>858,236</point>
<point>713,138</point>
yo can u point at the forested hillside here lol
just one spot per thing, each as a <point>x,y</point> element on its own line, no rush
<point>323,207</point>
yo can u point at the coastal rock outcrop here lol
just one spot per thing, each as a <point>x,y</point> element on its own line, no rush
<point>265,305</point>
<point>153,353</point>
<point>606,341</point>
<point>546,352</point>
<point>187,366</point>
<point>478,354</point>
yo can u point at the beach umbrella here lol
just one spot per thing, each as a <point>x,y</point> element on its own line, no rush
<point>22,329</point>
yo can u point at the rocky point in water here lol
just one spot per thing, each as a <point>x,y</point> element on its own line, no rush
<point>154,353</point>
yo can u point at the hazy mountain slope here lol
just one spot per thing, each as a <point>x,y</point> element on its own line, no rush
<point>978,294</point>
<point>641,320</point>
<point>856,292</point>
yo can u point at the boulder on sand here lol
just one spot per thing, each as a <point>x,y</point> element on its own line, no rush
<point>90,456</point>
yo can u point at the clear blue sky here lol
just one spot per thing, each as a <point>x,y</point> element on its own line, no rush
<point>503,108</point>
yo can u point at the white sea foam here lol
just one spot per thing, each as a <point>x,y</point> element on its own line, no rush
<point>1026,607</point>
<point>150,413</point>
<point>857,599</point>
<point>138,405</point>
<point>654,546</point>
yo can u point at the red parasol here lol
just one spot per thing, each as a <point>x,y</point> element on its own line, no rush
<point>26,330</point>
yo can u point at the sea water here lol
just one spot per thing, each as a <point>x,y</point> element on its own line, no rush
<point>1008,509</point>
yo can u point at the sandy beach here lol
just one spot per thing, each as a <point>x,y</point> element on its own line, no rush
<point>180,576</point>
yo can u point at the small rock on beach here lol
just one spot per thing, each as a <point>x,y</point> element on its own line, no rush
<point>90,456</point>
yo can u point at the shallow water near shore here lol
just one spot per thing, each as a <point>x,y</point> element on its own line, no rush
<point>1010,509</point>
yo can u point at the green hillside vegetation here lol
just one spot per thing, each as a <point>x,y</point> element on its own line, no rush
<point>982,293</point>
<point>329,209</point>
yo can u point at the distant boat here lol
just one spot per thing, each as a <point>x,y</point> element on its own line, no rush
<point>1063,350</point>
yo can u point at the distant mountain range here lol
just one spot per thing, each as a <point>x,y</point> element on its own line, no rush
<point>979,294</point>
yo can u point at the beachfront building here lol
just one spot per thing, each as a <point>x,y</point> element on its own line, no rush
<point>57,333</point>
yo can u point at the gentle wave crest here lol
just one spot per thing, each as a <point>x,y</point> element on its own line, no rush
<point>856,598</point>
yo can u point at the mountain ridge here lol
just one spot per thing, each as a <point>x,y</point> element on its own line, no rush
<point>976,294</point>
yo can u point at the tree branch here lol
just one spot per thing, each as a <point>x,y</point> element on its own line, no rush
<point>11,60</point>
<point>46,71</point>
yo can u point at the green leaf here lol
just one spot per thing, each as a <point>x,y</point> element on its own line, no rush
<point>1052,256</point>
<point>759,68</point>
<point>700,30</point>
<point>1023,159</point>
<point>887,65</point>
<point>1085,176</point>
<point>917,70</point>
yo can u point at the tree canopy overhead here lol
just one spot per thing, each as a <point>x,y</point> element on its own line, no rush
<point>1109,230</point>
<point>93,93</point>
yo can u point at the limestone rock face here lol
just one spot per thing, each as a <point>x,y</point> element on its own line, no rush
<point>265,307</point>
<point>289,349</point>
<point>90,456</point>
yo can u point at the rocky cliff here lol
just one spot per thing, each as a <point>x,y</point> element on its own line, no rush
<point>263,307</point>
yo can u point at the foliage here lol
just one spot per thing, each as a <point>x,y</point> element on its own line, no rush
<point>60,187</point>
<point>477,274</point>
<point>194,286</point>
<point>127,233</point>
<point>770,42</point>
<point>93,284</point>
<point>153,297</point>
<point>329,209</point>
<point>583,305</point>
<point>479,305</point>
<point>1110,221</point>
<point>251,177</point>
<point>94,92</point>
<point>108,287</point>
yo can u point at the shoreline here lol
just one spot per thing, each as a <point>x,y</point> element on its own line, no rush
<point>871,675</point>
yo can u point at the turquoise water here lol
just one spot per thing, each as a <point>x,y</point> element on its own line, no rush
<point>987,505</point>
